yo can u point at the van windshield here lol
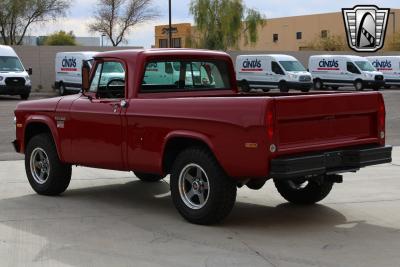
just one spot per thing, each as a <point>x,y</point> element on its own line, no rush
<point>10,64</point>
<point>292,65</point>
<point>365,66</point>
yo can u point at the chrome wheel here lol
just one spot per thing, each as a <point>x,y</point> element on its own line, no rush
<point>40,165</point>
<point>297,185</point>
<point>194,186</point>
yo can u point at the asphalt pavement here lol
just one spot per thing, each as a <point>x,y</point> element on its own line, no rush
<point>109,218</point>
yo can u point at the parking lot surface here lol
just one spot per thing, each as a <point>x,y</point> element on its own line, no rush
<point>109,218</point>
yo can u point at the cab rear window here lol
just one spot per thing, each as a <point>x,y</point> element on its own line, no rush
<point>169,76</point>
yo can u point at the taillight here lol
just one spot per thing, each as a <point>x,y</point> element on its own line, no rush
<point>270,124</point>
<point>381,119</point>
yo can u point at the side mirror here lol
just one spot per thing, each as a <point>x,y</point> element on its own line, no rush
<point>29,71</point>
<point>85,75</point>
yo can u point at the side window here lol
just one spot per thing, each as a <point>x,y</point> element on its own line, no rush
<point>276,68</point>
<point>352,68</point>
<point>112,80</point>
<point>185,76</point>
<point>95,81</point>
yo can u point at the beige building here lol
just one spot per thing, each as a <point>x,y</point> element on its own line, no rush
<point>283,34</point>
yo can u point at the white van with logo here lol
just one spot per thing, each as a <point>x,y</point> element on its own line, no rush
<point>390,67</point>
<point>69,70</point>
<point>342,70</point>
<point>271,71</point>
<point>14,79</point>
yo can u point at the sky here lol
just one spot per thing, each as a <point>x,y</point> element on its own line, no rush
<point>81,12</point>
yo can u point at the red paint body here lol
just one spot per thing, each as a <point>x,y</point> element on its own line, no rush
<point>135,137</point>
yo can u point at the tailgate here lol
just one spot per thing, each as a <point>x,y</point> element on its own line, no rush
<point>315,122</point>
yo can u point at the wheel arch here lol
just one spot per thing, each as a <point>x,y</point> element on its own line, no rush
<point>41,124</point>
<point>176,142</point>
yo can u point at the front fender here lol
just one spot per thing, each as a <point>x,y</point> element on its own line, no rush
<point>50,123</point>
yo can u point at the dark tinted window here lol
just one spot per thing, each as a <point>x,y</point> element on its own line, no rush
<point>275,37</point>
<point>299,35</point>
<point>276,68</point>
<point>352,68</point>
<point>185,76</point>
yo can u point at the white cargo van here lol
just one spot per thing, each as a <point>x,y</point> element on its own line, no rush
<point>343,70</point>
<point>68,70</point>
<point>269,71</point>
<point>14,79</point>
<point>390,67</point>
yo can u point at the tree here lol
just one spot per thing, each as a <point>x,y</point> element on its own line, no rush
<point>115,18</point>
<point>16,16</point>
<point>222,23</point>
<point>328,43</point>
<point>60,38</point>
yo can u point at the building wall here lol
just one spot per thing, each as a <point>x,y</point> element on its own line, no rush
<point>42,60</point>
<point>310,26</point>
<point>181,31</point>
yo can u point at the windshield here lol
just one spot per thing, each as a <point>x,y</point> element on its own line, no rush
<point>292,66</point>
<point>365,66</point>
<point>10,64</point>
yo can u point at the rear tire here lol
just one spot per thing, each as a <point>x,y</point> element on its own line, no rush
<point>387,86</point>
<point>200,189</point>
<point>318,85</point>
<point>266,90</point>
<point>148,177</point>
<point>335,88</point>
<point>302,191</point>
<point>25,96</point>
<point>46,173</point>
<point>283,87</point>
<point>245,86</point>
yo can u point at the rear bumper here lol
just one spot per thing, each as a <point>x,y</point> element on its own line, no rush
<point>300,85</point>
<point>332,162</point>
<point>14,90</point>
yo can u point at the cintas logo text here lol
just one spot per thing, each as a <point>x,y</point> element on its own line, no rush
<point>69,62</point>
<point>252,64</point>
<point>380,65</point>
<point>328,63</point>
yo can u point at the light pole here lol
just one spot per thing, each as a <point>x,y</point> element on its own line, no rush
<point>102,36</point>
<point>170,25</point>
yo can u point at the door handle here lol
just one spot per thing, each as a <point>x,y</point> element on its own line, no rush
<point>122,104</point>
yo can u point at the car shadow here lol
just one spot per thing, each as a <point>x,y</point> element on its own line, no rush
<point>111,222</point>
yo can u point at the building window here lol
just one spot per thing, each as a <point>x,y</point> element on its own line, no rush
<point>163,43</point>
<point>324,34</point>
<point>176,42</point>
<point>299,35</point>
<point>275,37</point>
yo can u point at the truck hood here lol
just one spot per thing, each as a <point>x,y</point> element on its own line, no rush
<point>48,104</point>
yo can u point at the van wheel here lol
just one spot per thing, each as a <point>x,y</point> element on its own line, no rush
<point>283,87</point>
<point>305,90</point>
<point>148,177</point>
<point>335,88</point>
<point>302,191</point>
<point>318,85</point>
<point>200,189</point>
<point>24,96</point>
<point>46,173</point>
<point>266,90</point>
<point>358,85</point>
<point>387,86</point>
<point>245,86</point>
<point>63,90</point>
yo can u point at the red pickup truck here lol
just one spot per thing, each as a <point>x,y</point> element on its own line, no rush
<point>177,112</point>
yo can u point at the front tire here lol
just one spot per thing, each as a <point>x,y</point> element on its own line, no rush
<point>200,189</point>
<point>358,85</point>
<point>302,191</point>
<point>148,177</point>
<point>63,90</point>
<point>24,96</point>
<point>244,85</point>
<point>283,87</point>
<point>46,173</point>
